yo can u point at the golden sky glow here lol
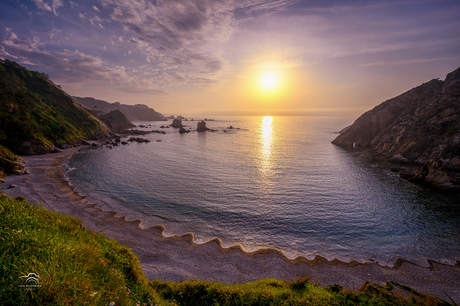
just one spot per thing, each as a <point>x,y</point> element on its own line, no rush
<point>253,57</point>
<point>269,81</point>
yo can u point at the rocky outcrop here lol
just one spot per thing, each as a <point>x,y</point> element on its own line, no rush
<point>176,123</point>
<point>201,127</point>
<point>430,175</point>
<point>183,131</point>
<point>9,164</point>
<point>117,121</point>
<point>416,127</point>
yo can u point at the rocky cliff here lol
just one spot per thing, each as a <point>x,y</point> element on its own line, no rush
<point>418,126</point>
<point>133,112</point>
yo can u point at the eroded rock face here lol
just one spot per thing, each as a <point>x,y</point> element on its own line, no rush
<point>417,126</point>
<point>11,167</point>
<point>431,175</point>
<point>32,148</point>
<point>201,127</point>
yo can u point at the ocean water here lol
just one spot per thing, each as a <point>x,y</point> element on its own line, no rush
<point>272,182</point>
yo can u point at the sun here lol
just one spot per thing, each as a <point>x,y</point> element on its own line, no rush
<point>269,80</point>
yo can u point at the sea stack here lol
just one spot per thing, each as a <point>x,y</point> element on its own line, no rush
<point>201,127</point>
<point>177,123</point>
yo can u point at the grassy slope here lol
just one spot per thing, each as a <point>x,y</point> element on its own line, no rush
<point>33,109</point>
<point>79,267</point>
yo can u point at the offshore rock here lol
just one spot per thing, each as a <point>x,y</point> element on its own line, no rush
<point>417,126</point>
<point>182,131</point>
<point>201,127</point>
<point>176,123</point>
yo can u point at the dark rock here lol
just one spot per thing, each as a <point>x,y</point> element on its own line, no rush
<point>94,144</point>
<point>176,123</point>
<point>158,140</point>
<point>182,131</point>
<point>12,186</point>
<point>118,140</point>
<point>162,127</point>
<point>406,175</point>
<point>417,126</point>
<point>230,127</point>
<point>201,127</point>
<point>124,143</point>
<point>432,176</point>
<point>137,139</point>
<point>117,121</point>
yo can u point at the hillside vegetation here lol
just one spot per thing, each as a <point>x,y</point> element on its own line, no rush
<point>36,115</point>
<point>74,266</point>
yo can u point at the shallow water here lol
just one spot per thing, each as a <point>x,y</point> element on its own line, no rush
<point>272,182</point>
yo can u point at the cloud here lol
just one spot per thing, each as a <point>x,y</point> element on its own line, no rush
<point>72,66</point>
<point>179,36</point>
<point>41,4</point>
<point>55,5</point>
<point>46,7</point>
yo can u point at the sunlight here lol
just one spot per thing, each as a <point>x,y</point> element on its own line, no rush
<point>269,80</point>
<point>266,132</point>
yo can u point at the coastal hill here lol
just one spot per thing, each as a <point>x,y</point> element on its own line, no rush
<point>117,121</point>
<point>133,112</point>
<point>37,117</point>
<point>417,126</point>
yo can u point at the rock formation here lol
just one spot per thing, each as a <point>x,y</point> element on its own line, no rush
<point>182,130</point>
<point>201,127</point>
<point>418,126</point>
<point>117,121</point>
<point>176,123</point>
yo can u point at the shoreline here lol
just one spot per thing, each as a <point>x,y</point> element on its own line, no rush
<point>179,258</point>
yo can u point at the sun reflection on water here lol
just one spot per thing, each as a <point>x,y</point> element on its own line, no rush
<point>266,140</point>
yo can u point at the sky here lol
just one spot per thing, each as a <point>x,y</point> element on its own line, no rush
<point>235,57</point>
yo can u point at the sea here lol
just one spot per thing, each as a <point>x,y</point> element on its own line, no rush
<point>271,182</point>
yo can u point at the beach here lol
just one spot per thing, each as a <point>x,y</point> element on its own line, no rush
<point>177,258</point>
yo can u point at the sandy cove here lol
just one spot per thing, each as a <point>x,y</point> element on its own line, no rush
<point>177,258</point>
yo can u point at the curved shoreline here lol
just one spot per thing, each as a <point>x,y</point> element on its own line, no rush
<point>179,258</point>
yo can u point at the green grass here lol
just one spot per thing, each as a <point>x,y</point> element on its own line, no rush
<point>79,267</point>
<point>34,109</point>
<point>76,266</point>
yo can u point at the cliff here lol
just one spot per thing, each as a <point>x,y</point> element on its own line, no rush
<point>117,121</point>
<point>418,126</point>
<point>36,116</point>
<point>133,112</point>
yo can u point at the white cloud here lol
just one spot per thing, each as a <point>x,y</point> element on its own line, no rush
<point>46,7</point>
<point>55,5</point>
<point>41,4</point>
